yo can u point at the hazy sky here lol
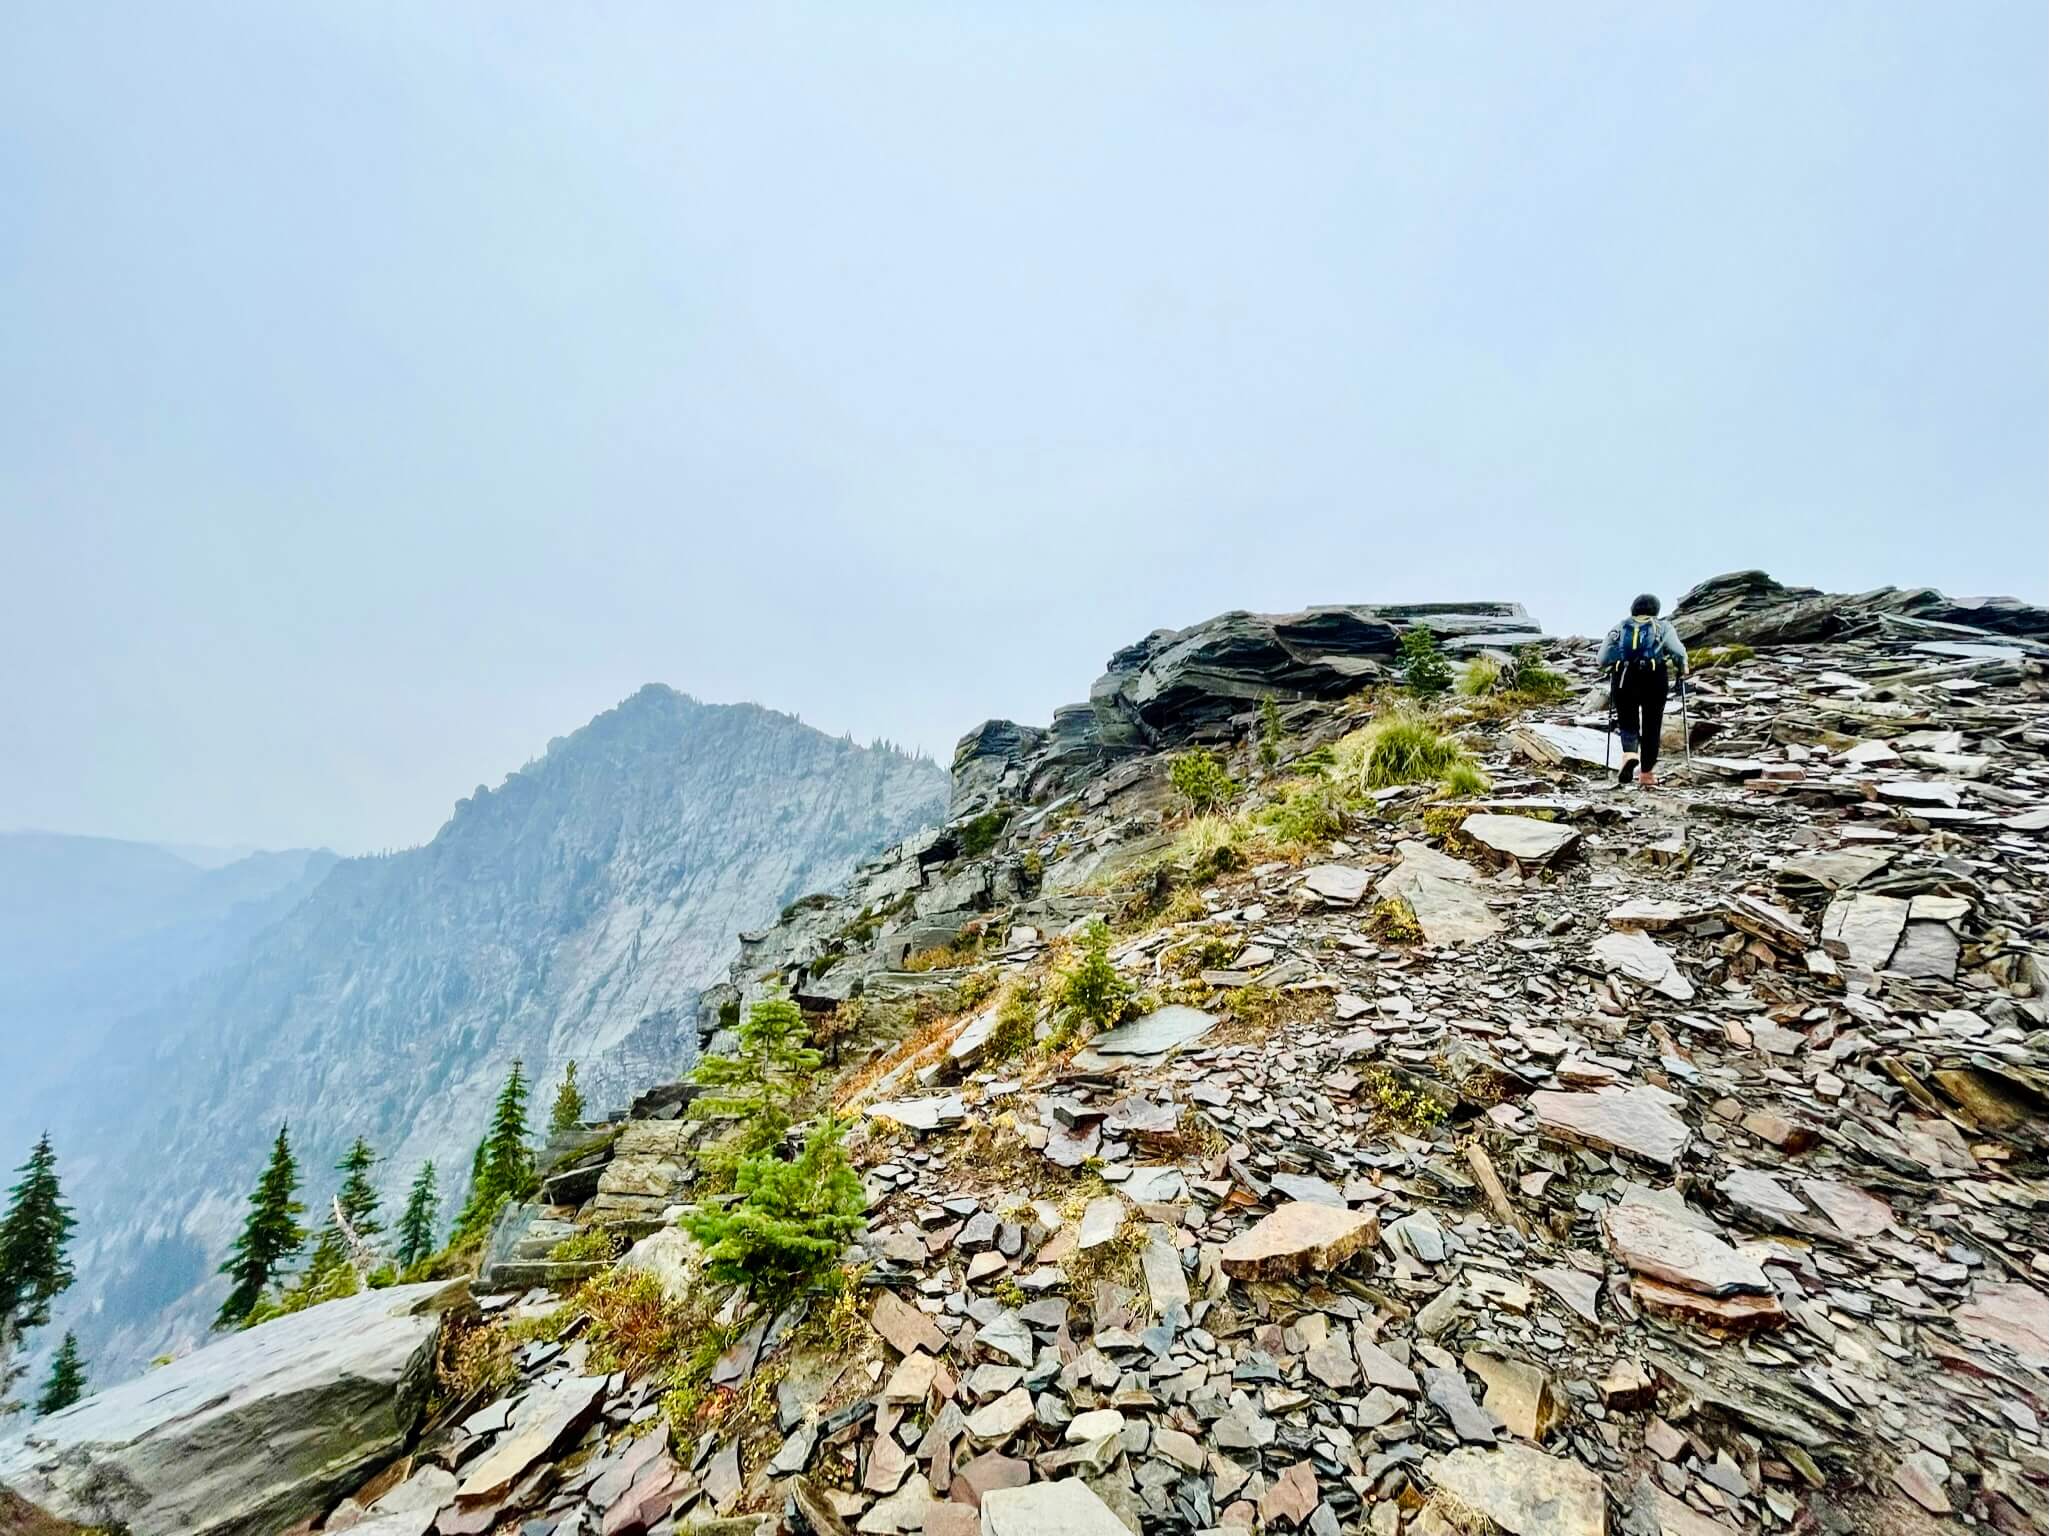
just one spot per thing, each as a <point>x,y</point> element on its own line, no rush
<point>387,388</point>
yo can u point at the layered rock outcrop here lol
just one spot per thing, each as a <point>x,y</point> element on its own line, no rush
<point>1181,685</point>
<point>1749,608</point>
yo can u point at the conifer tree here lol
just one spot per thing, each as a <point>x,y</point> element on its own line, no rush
<point>567,1114</point>
<point>504,1165</point>
<point>508,1160</point>
<point>1424,670</point>
<point>33,1268</point>
<point>270,1235</point>
<point>760,1082</point>
<point>416,1223</point>
<point>331,1272</point>
<point>358,1196</point>
<point>792,1219</point>
<point>33,1236</point>
<point>67,1378</point>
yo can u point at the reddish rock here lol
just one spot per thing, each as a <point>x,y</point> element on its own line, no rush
<point>1299,1238</point>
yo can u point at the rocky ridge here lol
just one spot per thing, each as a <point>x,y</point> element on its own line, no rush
<point>1670,1164</point>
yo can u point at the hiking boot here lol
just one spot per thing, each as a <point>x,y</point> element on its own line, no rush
<point>1628,768</point>
<point>1647,780</point>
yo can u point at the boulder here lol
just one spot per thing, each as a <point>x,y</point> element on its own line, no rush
<point>244,1437</point>
<point>672,1256</point>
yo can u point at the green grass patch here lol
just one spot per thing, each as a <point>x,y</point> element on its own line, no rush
<point>1401,747</point>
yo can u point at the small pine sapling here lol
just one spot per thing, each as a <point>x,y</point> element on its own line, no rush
<point>1092,993</point>
<point>1424,670</point>
<point>66,1383</point>
<point>760,1082</point>
<point>791,1220</point>
<point>567,1113</point>
<point>1201,779</point>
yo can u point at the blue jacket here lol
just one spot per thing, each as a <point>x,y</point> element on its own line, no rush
<point>1668,645</point>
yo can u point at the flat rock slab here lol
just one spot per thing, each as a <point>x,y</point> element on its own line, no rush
<point>1341,883</point>
<point>1522,838</point>
<point>1101,1222</point>
<point>1643,959</point>
<point>1299,1238</point>
<point>255,1432</point>
<point>1716,1314</point>
<point>1524,1491</point>
<point>1066,1508</point>
<point>2015,1314</point>
<point>1577,745</point>
<point>1164,1029</point>
<point>904,1327</point>
<point>1647,915</point>
<point>1864,929</point>
<point>1440,891</point>
<point>1652,1241</point>
<point>1639,1121</point>
<point>927,1114</point>
<point>554,1415</point>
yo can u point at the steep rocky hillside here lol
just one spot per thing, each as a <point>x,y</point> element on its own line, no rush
<point>571,913</point>
<point>1422,1157</point>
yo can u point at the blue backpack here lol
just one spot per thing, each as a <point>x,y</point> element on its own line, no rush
<point>1643,655</point>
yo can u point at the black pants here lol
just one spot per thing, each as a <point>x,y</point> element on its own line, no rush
<point>1640,712</point>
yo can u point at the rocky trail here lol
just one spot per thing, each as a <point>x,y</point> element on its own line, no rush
<point>1558,1160</point>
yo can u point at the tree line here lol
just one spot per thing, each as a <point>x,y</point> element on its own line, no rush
<point>350,1251</point>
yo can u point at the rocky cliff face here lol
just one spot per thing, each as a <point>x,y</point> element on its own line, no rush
<point>572,913</point>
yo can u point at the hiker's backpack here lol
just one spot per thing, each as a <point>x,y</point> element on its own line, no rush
<point>1642,660</point>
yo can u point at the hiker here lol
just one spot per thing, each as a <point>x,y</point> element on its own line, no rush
<point>1635,659</point>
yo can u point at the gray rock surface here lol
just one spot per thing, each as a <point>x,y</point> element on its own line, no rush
<point>1749,608</point>
<point>244,1437</point>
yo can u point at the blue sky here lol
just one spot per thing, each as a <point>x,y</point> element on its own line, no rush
<point>387,388</point>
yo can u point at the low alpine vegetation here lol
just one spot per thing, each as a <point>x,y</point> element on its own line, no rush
<point>1311,812</point>
<point>1709,657</point>
<point>790,1221</point>
<point>1424,670</point>
<point>1519,682</point>
<point>1464,778</point>
<point>1209,845</point>
<point>978,836</point>
<point>1200,778</point>
<point>1401,747</point>
<point>1090,994</point>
